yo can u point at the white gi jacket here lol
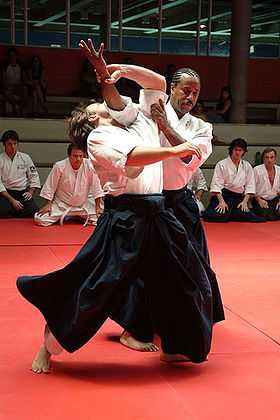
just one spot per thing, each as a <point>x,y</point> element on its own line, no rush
<point>18,174</point>
<point>264,189</point>
<point>177,173</point>
<point>69,190</point>
<point>198,181</point>
<point>109,146</point>
<point>240,180</point>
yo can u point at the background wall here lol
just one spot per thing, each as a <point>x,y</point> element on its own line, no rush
<point>63,66</point>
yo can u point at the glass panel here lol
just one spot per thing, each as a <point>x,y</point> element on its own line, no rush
<point>179,26</point>
<point>47,23</point>
<point>140,25</point>
<point>5,24</point>
<point>88,20</point>
<point>265,29</point>
<point>221,28</point>
<point>19,21</point>
<point>115,26</point>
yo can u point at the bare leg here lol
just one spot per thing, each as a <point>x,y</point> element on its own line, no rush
<point>129,341</point>
<point>41,362</point>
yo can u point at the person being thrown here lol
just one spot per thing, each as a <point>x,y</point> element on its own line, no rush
<point>136,236</point>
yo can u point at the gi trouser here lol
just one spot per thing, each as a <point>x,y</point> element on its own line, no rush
<point>135,237</point>
<point>7,210</point>
<point>233,213</point>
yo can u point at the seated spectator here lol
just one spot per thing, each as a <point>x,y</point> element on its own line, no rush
<point>222,110</point>
<point>267,176</point>
<point>18,180</point>
<point>232,185</point>
<point>198,185</point>
<point>89,86</point>
<point>199,111</point>
<point>37,86</point>
<point>14,87</point>
<point>67,191</point>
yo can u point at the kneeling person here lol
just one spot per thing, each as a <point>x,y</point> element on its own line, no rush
<point>267,201</point>
<point>18,180</point>
<point>67,190</point>
<point>232,185</point>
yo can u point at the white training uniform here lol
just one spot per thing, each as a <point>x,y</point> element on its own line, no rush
<point>18,173</point>
<point>109,146</point>
<point>264,189</point>
<point>238,180</point>
<point>197,183</point>
<point>177,173</point>
<point>69,191</point>
<point>108,149</point>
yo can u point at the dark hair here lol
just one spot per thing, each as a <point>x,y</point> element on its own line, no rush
<point>9,134</point>
<point>184,70</point>
<point>268,150</point>
<point>225,89</point>
<point>237,143</point>
<point>72,147</point>
<point>79,127</point>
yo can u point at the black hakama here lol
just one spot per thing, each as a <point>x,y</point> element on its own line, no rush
<point>136,237</point>
<point>186,211</point>
<point>233,213</point>
<point>270,213</point>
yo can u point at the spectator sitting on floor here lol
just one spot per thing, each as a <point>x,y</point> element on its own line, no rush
<point>67,191</point>
<point>266,202</point>
<point>198,185</point>
<point>232,185</point>
<point>14,87</point>
<point>37,86</point>
<point>18,180</point>
<point>222,110</point>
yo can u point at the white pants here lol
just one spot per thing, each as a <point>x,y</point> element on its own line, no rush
<point>47,220</point>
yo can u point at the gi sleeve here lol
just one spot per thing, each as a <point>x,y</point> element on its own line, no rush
<point>201,138</point>
<point>32,174</point>
<point>2,187</point>
<point>126,116</point>
<point>96,189</point>
<point>199,181</point>
<point>218,180</point>
<point>49,188</point>
<point>250,185</point>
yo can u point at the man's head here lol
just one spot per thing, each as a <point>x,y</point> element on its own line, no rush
<point>10,141</point>
<point>185,88</point>
<point>269,156</point>
<point>84,118</point>
<point>76,155</point>
<point>237,148</point>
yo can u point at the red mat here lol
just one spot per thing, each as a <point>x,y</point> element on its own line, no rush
<point>107,381</point>
<point>23,232</point>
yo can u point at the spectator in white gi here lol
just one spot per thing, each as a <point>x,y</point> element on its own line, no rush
<point>71,189</point>
<point>198,186</point>
<point>267,176</point>
<point>232,185</point>
<point>18,179</point>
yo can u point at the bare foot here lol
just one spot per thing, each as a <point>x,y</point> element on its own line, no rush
<point>172,358</point>
<point>127,340</point>
<point>41,363</point>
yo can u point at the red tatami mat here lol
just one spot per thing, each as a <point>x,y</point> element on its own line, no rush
<point>107,381</point>
<point>22,232</point>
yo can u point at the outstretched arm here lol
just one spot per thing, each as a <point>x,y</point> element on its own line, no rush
<point>109,92</point>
